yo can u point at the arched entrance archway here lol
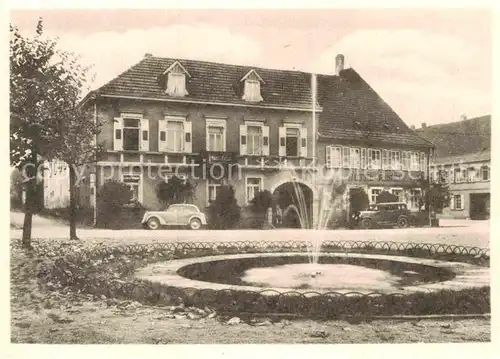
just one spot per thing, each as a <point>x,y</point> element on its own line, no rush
<point>295,200</point>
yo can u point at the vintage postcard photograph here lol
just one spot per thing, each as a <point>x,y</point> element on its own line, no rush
<point>271,176</point>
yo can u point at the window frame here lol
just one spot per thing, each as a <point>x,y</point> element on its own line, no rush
<point>215,184</point>
<point>215,122</point>
<point>413,195</point>
<point>136,181</point>
<point>298,127</point>
<point>261,186</point>
<point>182,120</point>
<point>260,125</point>
<point>485,169</point>
<point>370,191</point>
<point>392,161</point>
<point>138,118</point>
<point>461,207</point>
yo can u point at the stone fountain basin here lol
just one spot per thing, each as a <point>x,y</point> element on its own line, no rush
<point>341,273</point>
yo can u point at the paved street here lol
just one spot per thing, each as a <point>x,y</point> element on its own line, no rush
<point>459,232</point>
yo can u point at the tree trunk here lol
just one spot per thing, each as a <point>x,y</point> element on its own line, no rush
<point>29,202</point>
<point>72,203</point>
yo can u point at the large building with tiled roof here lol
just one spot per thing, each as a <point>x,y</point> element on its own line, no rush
<point>252,128</point>
<point>463,157</point>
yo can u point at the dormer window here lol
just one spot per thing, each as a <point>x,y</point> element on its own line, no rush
<point>176,80</point>
<point>252,87</point>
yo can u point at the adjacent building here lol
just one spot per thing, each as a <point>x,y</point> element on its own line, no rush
<point>463,157</point>
<point>289,132</point>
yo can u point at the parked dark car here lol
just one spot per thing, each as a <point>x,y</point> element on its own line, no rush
<point>385,215</point>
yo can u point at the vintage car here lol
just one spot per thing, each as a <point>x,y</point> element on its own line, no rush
<point>175,215</point>
<point>388,214</point>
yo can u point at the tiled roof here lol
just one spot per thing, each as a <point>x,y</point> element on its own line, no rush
<point>212,82</point>
<point>353,110</point>
<point>460,138</point>
<point>465,158</point>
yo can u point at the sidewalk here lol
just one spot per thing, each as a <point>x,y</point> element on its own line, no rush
<point>459,232</point>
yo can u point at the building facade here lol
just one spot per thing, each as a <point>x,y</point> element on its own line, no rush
<point>289,132</point>
<point>463,160</point>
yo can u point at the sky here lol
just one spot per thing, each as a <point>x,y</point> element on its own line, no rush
<point>429,65</point>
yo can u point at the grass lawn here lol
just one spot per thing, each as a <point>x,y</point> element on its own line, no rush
<point>42,316</point>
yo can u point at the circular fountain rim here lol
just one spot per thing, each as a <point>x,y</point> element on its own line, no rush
<point>466,275</point>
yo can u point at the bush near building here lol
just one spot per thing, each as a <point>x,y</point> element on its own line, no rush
<point>224,212</point>
<point>116,209</point>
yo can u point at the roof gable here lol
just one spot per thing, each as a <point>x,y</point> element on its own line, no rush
<point>252,75</point>
<point>177,68</point>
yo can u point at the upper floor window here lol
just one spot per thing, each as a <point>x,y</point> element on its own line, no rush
<point>457,175</point>
<point>292,141</point>
<point>131,129</point>
<point>254,140</point>
<point>252,87</point>
<point>174,135</point>
<point>485,173</point>
<point>414,161</point>
<point>131,133</point>
<point>374,160</point>
<point>333,156</point>
<point>471,174</point>
<point>216,135</point>
<point>176,80</point>
<point>395,160</point>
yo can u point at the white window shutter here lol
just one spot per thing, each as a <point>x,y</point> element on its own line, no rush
<point>265,140</point>
<point>303,142</point>
<point>144,134</point>
<point>188,138</point>
<point>462,199</point>
<point>118,134</point>
<point>162,136</point>
<point>282,141</point>
<point>452,201</point>
<point>363,158</point>
<point>328,156</point>
<point>243,139</point>
<point>385,160</point>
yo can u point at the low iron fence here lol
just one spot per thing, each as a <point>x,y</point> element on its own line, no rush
<point>109,272</point>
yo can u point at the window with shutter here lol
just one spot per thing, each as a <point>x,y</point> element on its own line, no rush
<point>346,157</point>
<point>118,138</point>
<point>216,135</point>
<point>355,157</point>
<point>328,156</point>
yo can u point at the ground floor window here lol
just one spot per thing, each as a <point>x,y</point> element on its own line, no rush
<point>457,202</point>
<point>253,185</point>
<point>415,198</point>
<point>213,189</point>
<point>133,183</point>
<point>374,193</point>
<point>398,192</point>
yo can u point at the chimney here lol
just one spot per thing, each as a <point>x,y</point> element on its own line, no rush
<point>339,63</point>
<point>463,117</point>
<point>424,125</point>
<point>412,127</point>
<point>147,54</point>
